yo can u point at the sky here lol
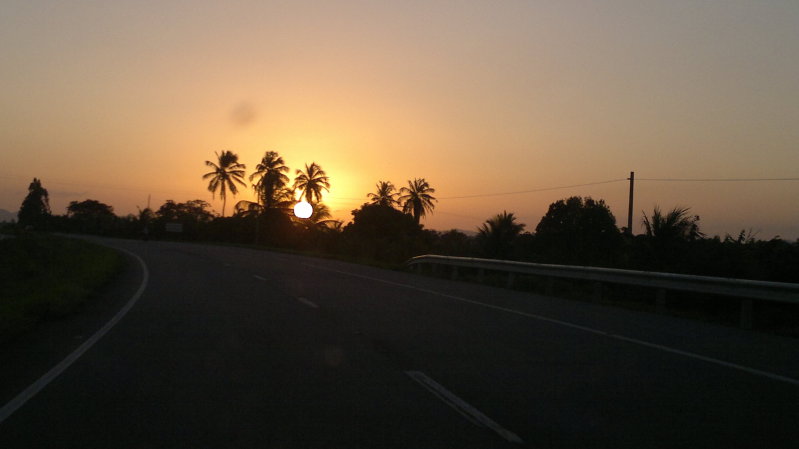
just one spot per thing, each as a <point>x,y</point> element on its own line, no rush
<point>124,101</point>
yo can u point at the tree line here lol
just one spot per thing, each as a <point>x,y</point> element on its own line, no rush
<point>386,229</point>
<point>271,185</point>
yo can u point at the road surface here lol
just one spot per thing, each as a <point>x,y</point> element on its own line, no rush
<point>229,347</point>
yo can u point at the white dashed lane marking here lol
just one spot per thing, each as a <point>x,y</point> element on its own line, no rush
<point>470,413</point>
<point>715,361</point>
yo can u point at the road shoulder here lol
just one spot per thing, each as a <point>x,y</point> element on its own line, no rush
<point>30,355</point>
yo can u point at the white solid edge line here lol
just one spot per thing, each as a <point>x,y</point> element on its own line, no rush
<point>464,408</point>
<point>259,277</point>
<point>18,401</point>
<point>692,355</point>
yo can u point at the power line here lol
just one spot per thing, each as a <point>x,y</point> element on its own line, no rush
<point>101,187</point>
<point>544,189</point>
<point>716,179</point>
<point>481,195</point>
<point>472,217</point>
<point>334,197</point>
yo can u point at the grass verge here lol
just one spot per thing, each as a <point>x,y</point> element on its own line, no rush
<point>45,277</point>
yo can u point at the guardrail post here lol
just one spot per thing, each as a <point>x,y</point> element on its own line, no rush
<point>660,301</point>
<point>480,275</point>
<point>597,291</point>
<point>588,281</point>
<point>511,278</point>
<point>746,313</point>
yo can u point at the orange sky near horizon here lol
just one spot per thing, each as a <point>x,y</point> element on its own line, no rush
<point>123,100</point>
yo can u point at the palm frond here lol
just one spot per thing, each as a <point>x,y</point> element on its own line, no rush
<point>311,182</point>
<point>227,172</point>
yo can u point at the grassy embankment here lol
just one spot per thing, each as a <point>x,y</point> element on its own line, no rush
<point>45,277</point>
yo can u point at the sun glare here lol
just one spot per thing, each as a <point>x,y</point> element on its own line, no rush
<point>303,209</point>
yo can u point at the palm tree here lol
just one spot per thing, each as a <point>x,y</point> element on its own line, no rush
<point>384,195</point>
<point>246,208</point>
<point>284,199</point>
<point>675,225</point>
<point>668,236</point>
<point>271,179</point>
<point>416,198</point>
<point>224,175</point>
<point>498,233</point>
<point>311,182</point>
<point>320,219</point>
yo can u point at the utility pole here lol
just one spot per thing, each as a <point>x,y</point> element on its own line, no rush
<point>630,210</point>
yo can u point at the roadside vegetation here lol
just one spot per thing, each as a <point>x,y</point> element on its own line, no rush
<point>45,277</point>
<point>387,229</point>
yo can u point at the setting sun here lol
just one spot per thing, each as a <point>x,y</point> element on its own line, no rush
<point>485,99</point>
<point>380,224</point>
<point>303,209</point>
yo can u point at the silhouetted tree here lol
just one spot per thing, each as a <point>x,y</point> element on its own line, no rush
<point>89,209</point>
<point>194,215</point>
<point>453,243</point>
<point>578,231</point>
<point>380,232</point>
<point>311,182</point>
<point>377,220</point>
<point>271,179</point>
<point>284,200</point>
<point>193,211</point>
<point>91,216</point>
<point>35,208</point>
<point>226,172</point>
<point>319,231</point>
<point>666,243</point>
<point>385,194</point>
<point>320,218</point>
<point>246,208</point>
<point>416,199</point>
<point>744,237</point>
<point>277,229</point>
<point>675,225</point>
<point>145,221</point>
<point>498,234</point>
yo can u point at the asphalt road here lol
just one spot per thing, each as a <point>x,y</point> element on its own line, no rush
<point>229,347</point>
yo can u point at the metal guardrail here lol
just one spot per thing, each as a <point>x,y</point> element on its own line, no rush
<point>738,288</point>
